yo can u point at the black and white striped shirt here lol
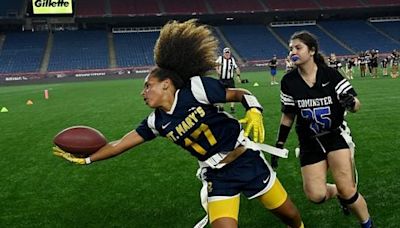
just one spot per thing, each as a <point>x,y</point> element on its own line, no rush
<point>228,67</point>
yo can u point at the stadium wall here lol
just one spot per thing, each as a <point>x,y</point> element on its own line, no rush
<point>107,22</point>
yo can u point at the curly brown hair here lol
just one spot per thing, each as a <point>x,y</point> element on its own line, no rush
<point>186,48</point>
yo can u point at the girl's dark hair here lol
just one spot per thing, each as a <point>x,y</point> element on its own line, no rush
<point>163,74</point>
<point>311,41</point>
<point>184,50</point>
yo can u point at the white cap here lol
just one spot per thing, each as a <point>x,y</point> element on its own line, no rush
<point>227,50</point>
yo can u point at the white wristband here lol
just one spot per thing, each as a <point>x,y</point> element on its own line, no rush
<point>250,101</point>
<point>88,161</point>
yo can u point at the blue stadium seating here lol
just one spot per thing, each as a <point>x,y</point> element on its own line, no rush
<point>22,52</point>
<point>358,35</point>
<point>221,43</point>
<point>253,42</point>
<point>135,49</point>
<point>79,50</point>
<point>390,28</point>
<point>327,44</point>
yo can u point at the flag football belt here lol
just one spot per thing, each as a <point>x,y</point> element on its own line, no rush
<point>220,159</point>
<point>231,156</point>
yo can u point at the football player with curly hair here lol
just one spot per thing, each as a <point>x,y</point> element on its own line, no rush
<point>183,101</point>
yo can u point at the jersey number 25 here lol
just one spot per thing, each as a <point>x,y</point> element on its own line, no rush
<point>319,118</point>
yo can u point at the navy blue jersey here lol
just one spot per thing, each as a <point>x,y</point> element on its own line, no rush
<point>317,108</point>
<point>193,122</point>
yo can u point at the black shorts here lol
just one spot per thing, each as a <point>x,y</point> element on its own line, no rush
<point>228,83</point>
<point>313,150</point>
<point>248,174</point>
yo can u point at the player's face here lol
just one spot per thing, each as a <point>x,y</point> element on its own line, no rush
<point>227,55</point>
<point>299,52</point>
<point>152,91</point>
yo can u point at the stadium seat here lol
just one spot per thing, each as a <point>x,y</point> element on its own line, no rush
<point>253,42</point>
<point>79,50</point>
<point>184,6</point>
<point>340,3</point>
<point>223,6</point>
<point>90,8</point>
<point>390,28</point>
<point>327,44</point>
<point>279,5</point>
<point>358,35</point>
<point>137,7</point>
<point>22,52</point>
<point>135,49</point>
<point>382,2</point>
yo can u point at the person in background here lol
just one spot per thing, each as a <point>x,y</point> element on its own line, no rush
<point>350,63</point>
<point>226,68</point>
<point>273,64</point>
<point>182,99</point>
<point>395,60</point>
<point>317,96</point>
<point>374,63</point>
<point>368,57</point>
<point>384,64</point>
<point>334,62</point>
<point>362,61</point>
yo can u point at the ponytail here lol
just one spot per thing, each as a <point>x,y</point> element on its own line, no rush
<point>319,60</point>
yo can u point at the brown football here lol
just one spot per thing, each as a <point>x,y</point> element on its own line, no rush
<point>80,140</point>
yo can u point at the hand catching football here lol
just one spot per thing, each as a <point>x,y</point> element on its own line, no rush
<point>78,142</point>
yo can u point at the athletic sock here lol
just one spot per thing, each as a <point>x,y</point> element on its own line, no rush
<point>367,224</point>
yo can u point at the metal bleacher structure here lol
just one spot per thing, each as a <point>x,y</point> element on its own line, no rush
<point>121,46</point>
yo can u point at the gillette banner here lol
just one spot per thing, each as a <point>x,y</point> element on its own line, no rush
<point>52,6</point>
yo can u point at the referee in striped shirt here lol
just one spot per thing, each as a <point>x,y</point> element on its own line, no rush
<point>226,65</point>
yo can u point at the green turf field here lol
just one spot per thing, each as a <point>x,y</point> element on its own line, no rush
<point>155,184</point>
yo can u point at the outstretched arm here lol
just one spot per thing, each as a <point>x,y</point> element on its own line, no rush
<point>115,148</point>
<point>111,149</point>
